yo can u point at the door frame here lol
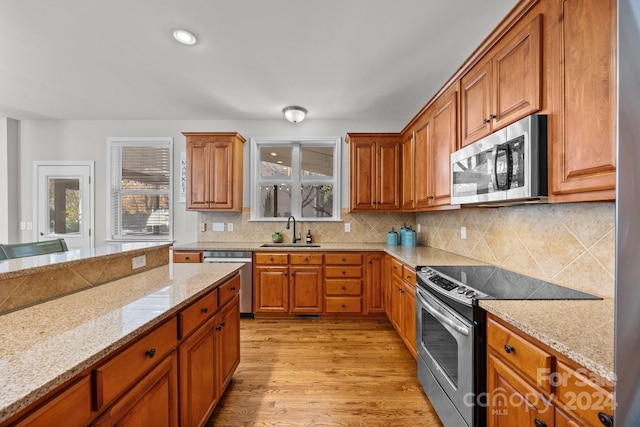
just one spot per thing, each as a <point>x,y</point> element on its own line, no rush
<point>91,165</point>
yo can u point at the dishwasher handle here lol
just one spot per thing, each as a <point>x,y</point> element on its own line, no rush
<point>227,260</point>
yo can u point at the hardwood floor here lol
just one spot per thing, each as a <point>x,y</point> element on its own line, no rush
<point>310,372</point>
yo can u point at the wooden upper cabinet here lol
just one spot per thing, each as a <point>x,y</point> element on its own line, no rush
<point>583,79</point>
<point>409,178</point>
<point>506,84</point>
<point>444,141</point>
<point>214,171</point>
<point>374,171</point>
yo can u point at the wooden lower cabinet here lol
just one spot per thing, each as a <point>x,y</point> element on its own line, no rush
<point>198,379</point>
<point>153,401</point>
<point>227,343</point>
<point>531,385</point>
<point>373,280</point>
<point>402,303</point>
<point>306,289</point>
<point>73,404</point>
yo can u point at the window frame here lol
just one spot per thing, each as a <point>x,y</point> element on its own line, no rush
<point>297,179</point>
<point>158,142</point>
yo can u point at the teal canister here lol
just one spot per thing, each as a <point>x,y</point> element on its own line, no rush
<point>392,238</point>
<point>403,231</point>
<point>409,238</point>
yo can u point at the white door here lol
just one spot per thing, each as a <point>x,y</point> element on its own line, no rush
<point>64,202</point>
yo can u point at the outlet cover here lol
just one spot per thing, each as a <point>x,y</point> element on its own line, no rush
<point>229,226</point>
<point>203,226</point>
<point>463,233</point>
<point>218,226</point>
<point>347,227</point>
<point>138,262</point>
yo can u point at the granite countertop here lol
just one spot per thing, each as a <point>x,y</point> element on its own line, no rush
<point>47,344</point>
<point>413,256</point>
<point>581,330</point>
<point>17,267</point>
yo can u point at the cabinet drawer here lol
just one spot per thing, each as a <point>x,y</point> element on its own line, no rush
<point>272,258</point>
<point>343,259</point>
<point>184,256</point>
<point>531,361</point>
<point>228,290</point>
<point>343,271</point>
<point>343,287</point>
<point>343,305</point>
<point>581,393</point>
<point>408,275</point>
<point>306,259</point>
<point>114,376</point>
<point>197,313</point>
<point>396,267</point>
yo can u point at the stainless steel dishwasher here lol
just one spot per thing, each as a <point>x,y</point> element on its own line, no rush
<point>246,275</point>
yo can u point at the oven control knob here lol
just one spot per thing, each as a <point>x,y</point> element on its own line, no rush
<point>470,294</point>
<point>461,289</point>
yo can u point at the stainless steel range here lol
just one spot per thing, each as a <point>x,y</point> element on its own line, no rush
<point>450,332</point>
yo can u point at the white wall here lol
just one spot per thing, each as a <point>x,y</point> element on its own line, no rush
<point>86,140</point>
<point>9,180</point>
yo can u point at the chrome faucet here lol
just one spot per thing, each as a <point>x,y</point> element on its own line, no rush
<point>295,234</point>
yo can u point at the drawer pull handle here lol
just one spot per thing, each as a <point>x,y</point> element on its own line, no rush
<point>150,353</point>
<point>204,310</point>
<point>344,288</point>
<point>605,419</point>
<point>344,272</point>
<point>306,260</point>
<point>187,257</point>
<point>271,259</point>
<point>540,423</point>
<point>344,306</point>
<point>233,288</point>
<point>344,259</point>
<point>509,349</point>
<point>408,276</point>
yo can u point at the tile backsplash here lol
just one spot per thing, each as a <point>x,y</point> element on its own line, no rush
<point>569,244</point>
<point>365,227</point>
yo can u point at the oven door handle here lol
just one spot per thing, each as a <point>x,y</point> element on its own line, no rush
<point>442,318</point>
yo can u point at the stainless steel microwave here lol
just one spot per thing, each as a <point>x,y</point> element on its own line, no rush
<point>508,166</point>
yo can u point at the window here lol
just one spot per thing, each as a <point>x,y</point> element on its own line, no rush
<point>141,189</point>
<point>299,178</point>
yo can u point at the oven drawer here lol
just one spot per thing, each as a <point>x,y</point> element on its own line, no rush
<point>533,362</point>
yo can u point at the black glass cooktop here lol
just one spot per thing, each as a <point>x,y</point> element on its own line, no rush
<point>504,284</point>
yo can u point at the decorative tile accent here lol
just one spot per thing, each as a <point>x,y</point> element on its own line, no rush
<point>569,244</point>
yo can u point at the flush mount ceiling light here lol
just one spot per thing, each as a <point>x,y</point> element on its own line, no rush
<point>184,36</point>
<point>294,113</point>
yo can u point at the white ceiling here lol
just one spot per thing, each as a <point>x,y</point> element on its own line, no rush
<point>341,59</point>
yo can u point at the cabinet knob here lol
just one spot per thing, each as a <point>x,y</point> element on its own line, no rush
<point>344,272</point>
<point>485,121</point>
<point>408,276</point>
<point>150,353</point>
<point>344,288</point>
<point>187,257</point>
<point>509,349</point>
<point>204,310</point>
<point>233,288</point>
<point>306,259</point>
<point>605,419</point>
<point>430,197</point>
<point>540,423</point>
<point>493,116</point>
<point>344,259</point>
<point>271,259</point>
<point>344,306</point>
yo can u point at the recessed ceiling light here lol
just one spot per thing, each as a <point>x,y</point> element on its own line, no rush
<point>184,36</point>
<point>274,154</point>
<point>279,162</point>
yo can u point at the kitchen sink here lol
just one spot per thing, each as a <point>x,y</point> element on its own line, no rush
<point>289,245</point>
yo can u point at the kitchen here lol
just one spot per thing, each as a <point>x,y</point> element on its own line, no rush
<point>551,241</point>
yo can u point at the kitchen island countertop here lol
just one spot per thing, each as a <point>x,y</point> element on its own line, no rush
<point>45,345</point>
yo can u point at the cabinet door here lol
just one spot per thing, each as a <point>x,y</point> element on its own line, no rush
<point>423,164</point>
<point>227,343</point>
<point>388,176</point>
<point>511,401</point>
<point>409,318</point>
<point>73,405</point>
<point>517,75</point>
<point>198,381</point>
<point>363,175</point>
<point>386,284</point>
<point>271,290</point>
<point>197,174</point>
<point>305,290</point>
<point>583,144</point>
<point>375,296</point>
<point>396,304</point>
<point>153,401</point>
<point>476,103</point>
<point>442,144</point>
<point>221,175</point>
<point>407,170</point>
